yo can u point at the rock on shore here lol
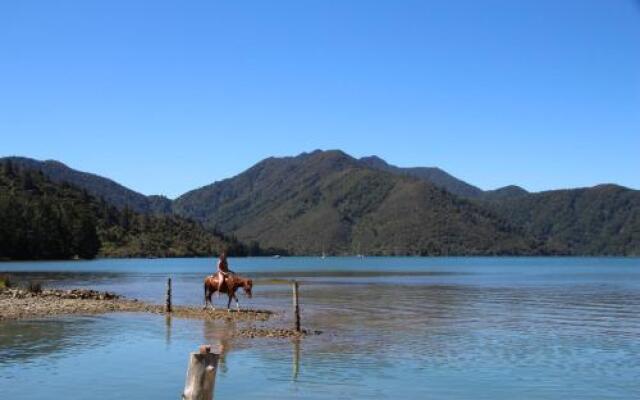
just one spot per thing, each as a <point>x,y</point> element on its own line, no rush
<point>22,303</point>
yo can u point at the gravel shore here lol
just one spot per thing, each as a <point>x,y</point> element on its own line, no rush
<point>23,304</point>
<point>253,333</point>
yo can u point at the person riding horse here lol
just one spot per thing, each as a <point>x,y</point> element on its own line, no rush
<point>225,281</point>
<point>223,270</point>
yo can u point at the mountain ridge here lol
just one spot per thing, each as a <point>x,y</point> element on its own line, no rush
<point>96,185</point>
<point>330,200</point>
<point>433,175</point>
<point>162,201</point>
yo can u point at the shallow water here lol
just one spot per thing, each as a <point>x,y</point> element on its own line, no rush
<point>446,328</point>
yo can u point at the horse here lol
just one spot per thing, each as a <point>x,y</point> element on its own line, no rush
<point>231,284</point>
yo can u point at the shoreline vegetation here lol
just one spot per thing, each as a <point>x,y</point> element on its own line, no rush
<point>8,260</point>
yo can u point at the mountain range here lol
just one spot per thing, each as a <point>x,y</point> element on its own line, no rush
<point>328,201</point>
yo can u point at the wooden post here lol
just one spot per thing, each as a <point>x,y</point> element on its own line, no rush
<point>296,307</point>
<point>201,375</point>
<point>167,306</point>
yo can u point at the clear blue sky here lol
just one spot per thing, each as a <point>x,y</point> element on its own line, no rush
<point>165,96</point>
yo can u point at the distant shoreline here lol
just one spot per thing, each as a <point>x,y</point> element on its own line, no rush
<point>327,257</point>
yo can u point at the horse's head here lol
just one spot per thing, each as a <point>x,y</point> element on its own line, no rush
<point>247,285</point>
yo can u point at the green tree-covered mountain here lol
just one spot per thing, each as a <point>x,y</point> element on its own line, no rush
<point>329,201</point>
<point>602,220</point>
<point>333,202</point>
<point>41,219</point>
<point>112,192</point>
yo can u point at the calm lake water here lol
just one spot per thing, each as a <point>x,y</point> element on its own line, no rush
<point>441,328</point>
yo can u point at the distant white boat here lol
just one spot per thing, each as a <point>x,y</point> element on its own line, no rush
<point>359,254</point>
<point>276,256</point>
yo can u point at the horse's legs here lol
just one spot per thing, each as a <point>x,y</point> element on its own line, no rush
<point>207,298</point>
<point>237,303</point>
<point>213,306</point>
<point>229,302</point>
<point>206,295</point>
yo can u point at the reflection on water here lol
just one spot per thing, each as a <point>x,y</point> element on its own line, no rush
<point>24,341</point>
<point>167,323</point>
<point>413,328</point>
<point>296,357</point>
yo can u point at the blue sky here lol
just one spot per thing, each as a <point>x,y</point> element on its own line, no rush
<point>166,96</point>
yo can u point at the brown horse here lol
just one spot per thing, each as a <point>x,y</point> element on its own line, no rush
<point>231,284</point>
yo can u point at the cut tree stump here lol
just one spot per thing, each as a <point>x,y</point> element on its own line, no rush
<point>201,375</point>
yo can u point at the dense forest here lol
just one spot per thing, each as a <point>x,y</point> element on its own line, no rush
<point>46,220</point>
<point>601,220</point>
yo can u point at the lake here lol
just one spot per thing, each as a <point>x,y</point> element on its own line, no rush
<point>393,327</point>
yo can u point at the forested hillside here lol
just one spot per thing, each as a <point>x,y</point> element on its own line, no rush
<point>331,201</point>
<point>603,220</point>
<point>100,187</point>
<point>314,202</point>
<point>41,219</point>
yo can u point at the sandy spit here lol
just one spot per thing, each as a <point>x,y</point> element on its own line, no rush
<point>23,304</point>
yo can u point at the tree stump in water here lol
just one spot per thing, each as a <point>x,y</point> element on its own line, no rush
<point>201,375</point>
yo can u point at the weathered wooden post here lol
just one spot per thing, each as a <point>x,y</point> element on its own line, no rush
<point>201,375</point>
<point>296,307</point>
<point>167,306</point>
